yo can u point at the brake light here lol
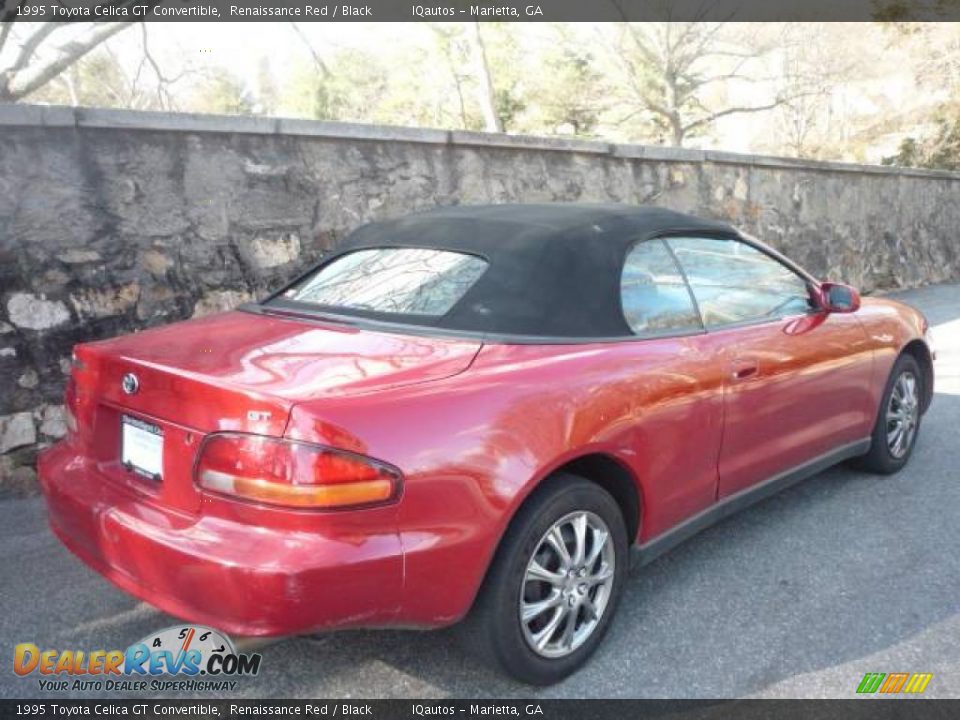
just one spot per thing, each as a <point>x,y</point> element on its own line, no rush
<point>286,473</point>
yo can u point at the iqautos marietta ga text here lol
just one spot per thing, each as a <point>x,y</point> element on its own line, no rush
<point>485,11</point>
<point>478,709</point>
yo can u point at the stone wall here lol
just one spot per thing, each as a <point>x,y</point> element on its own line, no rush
<point>112,220</point>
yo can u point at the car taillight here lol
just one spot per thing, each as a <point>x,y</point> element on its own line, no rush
<point>281,472</point>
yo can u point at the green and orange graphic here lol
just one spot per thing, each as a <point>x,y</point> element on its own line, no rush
<point>892,683</point>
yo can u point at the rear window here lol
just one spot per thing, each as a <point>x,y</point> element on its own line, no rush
<point>407,281</point>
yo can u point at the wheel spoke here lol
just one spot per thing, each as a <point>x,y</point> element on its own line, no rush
<point>600,538</point>
<point>894,435</point>
<point>535,609</point>
<point>536,571</point>
<point>589,608</point>
<point>556,541</point>
<point>580,539</point>
<point>910,386</point>
<point>601,576</point>
<point>566,640</point>
<point>892,429</point>
<point>898,391</point>
<point>541,638</point>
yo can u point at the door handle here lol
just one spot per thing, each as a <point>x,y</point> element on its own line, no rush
<point>745,369</point>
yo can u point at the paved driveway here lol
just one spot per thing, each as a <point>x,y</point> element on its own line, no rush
<point>796,597</point>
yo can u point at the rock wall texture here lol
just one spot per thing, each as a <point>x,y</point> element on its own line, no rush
<point>112,221</point>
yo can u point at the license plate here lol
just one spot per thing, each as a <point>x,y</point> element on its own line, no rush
<point>141,447</point>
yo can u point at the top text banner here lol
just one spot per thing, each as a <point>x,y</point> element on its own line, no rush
<point>459,11</point>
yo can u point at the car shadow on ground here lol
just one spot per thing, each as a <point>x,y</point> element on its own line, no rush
<point>829,573</point>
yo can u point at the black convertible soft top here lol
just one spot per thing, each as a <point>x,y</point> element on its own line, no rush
<point>554,269</point>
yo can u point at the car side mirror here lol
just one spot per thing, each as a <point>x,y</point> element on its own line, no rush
<point>839,298</point>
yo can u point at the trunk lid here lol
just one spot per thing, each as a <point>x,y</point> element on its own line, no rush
<point>234,371</point>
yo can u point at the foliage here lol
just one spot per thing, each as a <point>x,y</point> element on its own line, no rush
<point>826,90</point>
<point>222,92</point>
<point>940,151</point>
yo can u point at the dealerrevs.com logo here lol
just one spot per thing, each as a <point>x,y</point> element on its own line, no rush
<point>200,658</point>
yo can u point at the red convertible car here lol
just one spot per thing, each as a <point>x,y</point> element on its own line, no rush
<point>478,414</point>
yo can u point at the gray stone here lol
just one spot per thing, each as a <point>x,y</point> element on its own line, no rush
<point>264,170</point>
<point>268,252</point>
<point>54,422</point>
<point>157,262</point>
<point>16,431</point>
<point>54,278</point>
<point>740,188</point>
<point>29,379</point>
<point>78,257</point>
<point>220,301</point>
<point>5,328</point>
<point>8,352</point>
<point>97,302</point>
<point>17,480</point>
<point>36,313</point>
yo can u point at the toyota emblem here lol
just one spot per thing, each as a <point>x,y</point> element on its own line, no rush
<point>130,383</point>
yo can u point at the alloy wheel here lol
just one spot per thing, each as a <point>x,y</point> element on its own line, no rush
<point>903,414</point>
<point>567,584</point>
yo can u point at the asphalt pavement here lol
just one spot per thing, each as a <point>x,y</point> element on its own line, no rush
<point>798,596</point>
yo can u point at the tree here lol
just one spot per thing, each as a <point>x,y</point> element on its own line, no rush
<point>45,50</point>
<point>486,95</point>
<point>448,41</point>
<point>473,60</point>
<point>939,151</point>
<point>221,91</point>
<point>570,95</point>
<point>676,76</point>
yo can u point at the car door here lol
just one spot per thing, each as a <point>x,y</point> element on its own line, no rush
<point>797,384</point>
<point>675,387</point>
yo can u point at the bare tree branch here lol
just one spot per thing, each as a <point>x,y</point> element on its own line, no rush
<point>6,25</point>
<point>317,60</point>
<point>706,120</point>
<point>33,42</point>
<point>668,67</point>
<point>22,78</point>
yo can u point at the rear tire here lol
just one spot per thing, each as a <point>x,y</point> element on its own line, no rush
<point>898,419</point>
<point>568,599</point>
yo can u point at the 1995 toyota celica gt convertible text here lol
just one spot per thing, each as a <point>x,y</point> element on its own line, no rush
<point>478,414</point>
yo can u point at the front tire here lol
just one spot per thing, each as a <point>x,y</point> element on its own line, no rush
<point>554,584</point>
<point>898,419</point>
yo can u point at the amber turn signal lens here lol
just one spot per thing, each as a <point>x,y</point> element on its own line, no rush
<point>286,473</point>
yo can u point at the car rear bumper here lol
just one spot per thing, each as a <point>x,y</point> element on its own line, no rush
<point>242,578</point>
